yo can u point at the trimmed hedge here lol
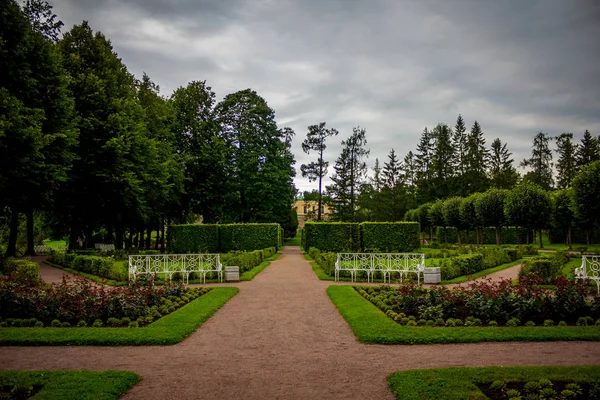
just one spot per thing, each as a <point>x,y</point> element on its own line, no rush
<point>248,237</point>
<point>390,236</point>
<point>198,238</point>
<point>211,238</point>
<point>326,260</point>
<point>94,265</point>
<point>542,267</point>
<point>332,236</point>
<point>508,235</point>
<point>465,264</point>
<point>22,269</point>
<point>247,260</point>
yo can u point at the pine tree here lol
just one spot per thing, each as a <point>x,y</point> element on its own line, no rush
<point>476,161</point>
<point>442,161</point>
<point>408,176</point>
<point>350,169</point>
<point>317,170</point>
<point>540,162</point>
<point>377,180</point>
<point>392,170</point>
<point>460,145</point>
<point>566,167</point>
<point>423,170</point>
<point>501,171</point>
<point>588,151</point>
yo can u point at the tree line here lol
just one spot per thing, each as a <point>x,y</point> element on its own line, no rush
<point>104,156</point>
<point>447,162</point>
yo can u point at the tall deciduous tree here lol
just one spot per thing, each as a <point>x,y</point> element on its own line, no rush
<point>469,216</point>
<point>540,162</point>
<point>566,165</point>
<point>529,206</point>
<point>586,192</point>
<point>350,169</point>
<point>501,171</point>
<point>490,210</point>
<point>451,212</point>
<point>563,214</point>
<point>315,141</point>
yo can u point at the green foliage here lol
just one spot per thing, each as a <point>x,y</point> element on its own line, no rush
<point>73,385</point>
<point>248,236</point>
<point>390,237</point>
<point>464,264</point>
<point>373,326</point>
<point>196,238</point>
<point>528,205</point>
<point>325,260</point>
<point>21,269</point>
<point>247,260</point>
<point>541,267</point>
<point>332,236</point>
<point>94,265</point>
<point>170,329</point>
<point>586,192</point>
<point>465,383</point>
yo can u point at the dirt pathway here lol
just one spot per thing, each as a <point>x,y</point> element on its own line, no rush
<point>282,338</point>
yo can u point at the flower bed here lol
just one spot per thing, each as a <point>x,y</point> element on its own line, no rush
<point>78,302</point>
<point>487,303</point>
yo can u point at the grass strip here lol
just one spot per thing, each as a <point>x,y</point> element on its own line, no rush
<point>371,325</point>
<point>461,383</point>
<point>250,274</point>
<point>466,278</point>
<point>170,329</point>
<point>76,385</point>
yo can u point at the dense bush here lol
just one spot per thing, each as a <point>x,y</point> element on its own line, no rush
<point>487,301</point>
<point>509,235</point>
<point>95,265</point>
<point>390,236</point>
<point>246,260</point>
<point>542,268</point>
<point>21,269</point>
<point>464,264</point>
<point>77,300</point>
<point>196,238</point>
<point>325,259</point>
<point>248,237</point>
<point>477,259</point>
<point>332,236</point>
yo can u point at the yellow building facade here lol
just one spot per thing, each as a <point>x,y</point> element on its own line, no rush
<point>308,211</point>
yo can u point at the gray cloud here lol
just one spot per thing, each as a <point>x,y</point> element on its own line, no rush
<point>392,67</point>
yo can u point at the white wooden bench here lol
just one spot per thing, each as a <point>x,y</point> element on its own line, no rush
<point>590,269</point>
<point>386,263</point>
<point>105,248</point>
<point>170,264</point>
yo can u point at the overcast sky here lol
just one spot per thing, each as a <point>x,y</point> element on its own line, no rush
<point>392,67</point>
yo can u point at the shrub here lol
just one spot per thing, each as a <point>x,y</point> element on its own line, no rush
<point>196,238</point>
<point>248,237</point>
<point>541,268</point>
<point>55,323</point>
<point>332,236</point>
<point>97,324</point>
<point>390,236</point>
<point>548,322</point>
<point>22,269</point>
<point>562,323</point>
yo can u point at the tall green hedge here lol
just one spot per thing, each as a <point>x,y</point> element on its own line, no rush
<point>509,235</point>
<point>390,236</point>
<point>332,236</point>
<point>196,238</point>
<point>248,237</point>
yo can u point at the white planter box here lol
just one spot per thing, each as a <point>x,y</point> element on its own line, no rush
<point>232,274</point>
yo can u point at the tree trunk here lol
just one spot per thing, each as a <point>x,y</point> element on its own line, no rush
<point>11,249</point>
<point>74,236</point>
<point>498,239</point>
<point>458,236</point>
<point>541,243</point>
<point>142,243</point>
<point>587,236</point>
<point>30,250</point>
<point>110,232</point>
<point>162,235</point>
<point>148,237</point>
<point>569,238</point>
<point>157,235</point>
<point>430,234</point>
<point>89,238</point>
<point>136,240</point>
<point>118,237</point>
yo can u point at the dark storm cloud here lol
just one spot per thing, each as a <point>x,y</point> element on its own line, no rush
<point>392,67</point>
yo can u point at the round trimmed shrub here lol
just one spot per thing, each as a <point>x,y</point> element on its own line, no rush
<point>55,323</point>
<point>492,323</point>
<point>97,324</point>
<point>81,324</point>
<point>548,322</point>
<point>562,323</point>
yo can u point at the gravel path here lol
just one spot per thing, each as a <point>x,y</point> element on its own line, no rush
<point>282,338</point>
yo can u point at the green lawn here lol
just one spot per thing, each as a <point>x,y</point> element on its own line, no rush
<point>170,329</point>
<point>295,241</point>
<point>371,325</point>
<point>75,385</point>
<point>56,243</point>
<point>461,383</point>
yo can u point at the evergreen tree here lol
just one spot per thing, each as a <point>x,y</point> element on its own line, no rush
<point>408,175</point>
<point>586,192</point>
<point>392,195</point>
<point>588,151</point>
<point>540,162</point>
<point>460,145</point>
<point>317,170</point>
<point>392,171</point>
<point>566,166</point>
<point>501,171</point>
<point>442,161</point>
<point>476,161</point>
<point>423,168</point>
<point>350,169</point>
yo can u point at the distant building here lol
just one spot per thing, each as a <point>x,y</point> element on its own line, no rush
<point>307,211</point>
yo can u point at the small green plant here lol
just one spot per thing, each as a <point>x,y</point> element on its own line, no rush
<point>125,321</point>
<point>575,388</point>
<point>21,390</point>
<point>411,322</point>
<point>39,324</point>
<point>582,321</point>
<point>55,323</point>
<point>134,324</point>
<point>530,323</point>
<point>492,323</point>
<point>562,323</point>
<point>545,383</point>
<point>81,324</point>
<point>498,385</point>
<point>548,322</point>
<point>422,322</point>
<point>512,393</point>
<point>439,322</point>
<point>429,322</point>
<point>65,325</point>
<point>532,387</point>
<point>450,322</point>
<point>97,324</point>
<point>513,322</point>
<point>113,322</point>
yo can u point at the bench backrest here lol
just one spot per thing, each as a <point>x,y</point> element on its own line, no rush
<point>172,263</point>
<point>104,247</point>
<point>590,266</point>
<point>382,261</point>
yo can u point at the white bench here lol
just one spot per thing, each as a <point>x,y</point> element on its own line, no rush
<point>42,250</point>
<point>590,269</point>
<point>386,263</point>
<point>170,264</point>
